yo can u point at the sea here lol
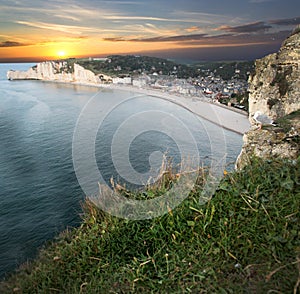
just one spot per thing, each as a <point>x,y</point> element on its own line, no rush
<point>40,195</point>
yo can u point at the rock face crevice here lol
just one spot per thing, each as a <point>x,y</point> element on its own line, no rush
<point>274,89</point>
<point>56,71</point>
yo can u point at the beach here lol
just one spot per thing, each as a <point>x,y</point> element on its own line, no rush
<point>227,117</point>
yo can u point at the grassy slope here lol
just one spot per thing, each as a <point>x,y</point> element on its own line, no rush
<point>245,240</point>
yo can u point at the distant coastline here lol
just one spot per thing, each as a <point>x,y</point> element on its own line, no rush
<point>226,117</point>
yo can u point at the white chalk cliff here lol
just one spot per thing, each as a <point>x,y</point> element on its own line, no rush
<point>275,90</point>
<point>61,71</point>
<point>275,86</point>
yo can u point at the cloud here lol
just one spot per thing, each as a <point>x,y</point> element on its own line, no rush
<point>122,2</point>
<point>123,17</point>
<point>70,17</point>
<point>49,9</point>
<point>61,39</point>
<point>286,21</point>
<point>223,40</point>
<point>193,29</point>
<point>242,39</point>
<point>196,17</point>
<point>259,1</point>
<point>12,44</point>
<point>55,27</point>
<point>247,28</point>
<point>74,30</point>
<point>42,41</point>
<point>178,38</point>
<point>153,30</point>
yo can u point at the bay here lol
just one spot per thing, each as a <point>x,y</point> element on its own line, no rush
<point>39,192</point>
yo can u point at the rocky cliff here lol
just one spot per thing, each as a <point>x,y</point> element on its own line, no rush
<point>62,71</point>
<point>275,91</point>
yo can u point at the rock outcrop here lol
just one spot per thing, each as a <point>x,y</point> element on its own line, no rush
<point>275,86</point>
<point>61,71</point>
<point>275,91</point>
<point>274,142</point>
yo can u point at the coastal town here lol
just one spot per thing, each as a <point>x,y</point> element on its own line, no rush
<point>211,88</point>
<point>218,83</point>
<point>205,82</point>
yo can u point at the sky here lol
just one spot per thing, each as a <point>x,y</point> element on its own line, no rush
<point>189,30</point>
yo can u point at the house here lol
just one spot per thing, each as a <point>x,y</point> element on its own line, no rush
<point>125,80</point>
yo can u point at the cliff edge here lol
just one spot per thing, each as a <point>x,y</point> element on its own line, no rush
<point>274,90</point>
<point>62,71</point>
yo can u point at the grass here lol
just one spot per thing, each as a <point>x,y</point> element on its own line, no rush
<point>288,121</point>
<point>244,240</point>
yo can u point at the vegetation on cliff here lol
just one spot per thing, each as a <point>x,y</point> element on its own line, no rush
<point>117,65</point>
<point>244,240</point>
<point>228,70</point>
<point>271,142</point>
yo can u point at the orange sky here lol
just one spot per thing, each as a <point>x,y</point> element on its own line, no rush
<point>39,30</point>
<point>89,47</point>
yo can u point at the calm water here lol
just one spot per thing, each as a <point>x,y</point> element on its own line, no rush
<point>39,192</point>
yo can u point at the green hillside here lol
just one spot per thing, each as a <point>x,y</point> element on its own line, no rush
<point>244,240</point>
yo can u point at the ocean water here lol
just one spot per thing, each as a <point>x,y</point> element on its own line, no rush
<point>39,192</point>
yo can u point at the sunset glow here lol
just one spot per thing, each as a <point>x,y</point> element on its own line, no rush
<point>195,30</point>
<point>61,54</point>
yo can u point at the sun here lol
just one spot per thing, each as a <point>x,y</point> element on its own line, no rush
<point>61,53</point>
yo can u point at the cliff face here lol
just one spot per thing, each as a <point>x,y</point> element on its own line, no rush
<point>275,90</point>
<point>56,71</point>
<point>83,75</point>
<point>275,86</point>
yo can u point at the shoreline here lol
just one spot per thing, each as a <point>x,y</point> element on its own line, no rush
<point>224,116</point>
<point>228,118</point>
